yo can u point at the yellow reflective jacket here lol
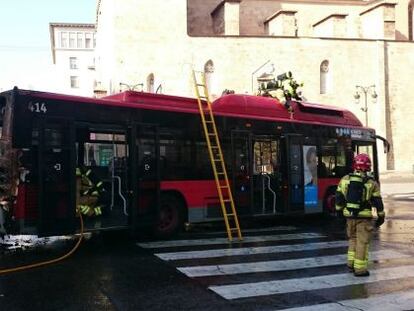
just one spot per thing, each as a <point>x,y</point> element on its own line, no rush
<point>371,197</point>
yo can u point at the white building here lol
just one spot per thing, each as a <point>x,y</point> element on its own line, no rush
<point>73,56</point>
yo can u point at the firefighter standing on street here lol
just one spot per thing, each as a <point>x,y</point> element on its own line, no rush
<point>356,195</point>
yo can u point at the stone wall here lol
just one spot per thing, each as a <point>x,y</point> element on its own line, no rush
<point>148,43</point>
<point>199,19</point>
<point>253,14</point>
<point>400,77</point>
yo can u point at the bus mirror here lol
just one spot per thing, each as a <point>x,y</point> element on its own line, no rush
<point>386,144</point>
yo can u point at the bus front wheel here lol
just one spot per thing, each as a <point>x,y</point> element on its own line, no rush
<point>329,205</point>
<point>170,216</point>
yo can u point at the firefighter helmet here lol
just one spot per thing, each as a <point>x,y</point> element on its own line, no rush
<point>362,163</point>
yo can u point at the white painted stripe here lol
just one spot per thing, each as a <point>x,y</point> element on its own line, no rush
<point>278,228</point>
<point>386,302</point>
<point>212,253</point>
<point>280,265</point>
<point>313,283</point>
<point>262,238</point>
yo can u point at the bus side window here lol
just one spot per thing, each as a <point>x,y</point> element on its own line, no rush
<point>340,168</point>
<point>265,156</point>
<point>100,151</point>
<point>333,159</point>
<point>326,167</point>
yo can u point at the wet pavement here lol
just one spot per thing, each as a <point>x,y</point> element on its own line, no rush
<point>295,264</point>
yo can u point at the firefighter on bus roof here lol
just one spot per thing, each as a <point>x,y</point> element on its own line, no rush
<point>356,195</point>
<point>284,89</point>
<point>89,192</point>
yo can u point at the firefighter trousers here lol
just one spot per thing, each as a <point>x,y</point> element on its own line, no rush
<point>359,231</point>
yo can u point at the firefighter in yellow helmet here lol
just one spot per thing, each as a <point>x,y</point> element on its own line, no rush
<point>88,193</point>
<point>356,195</point>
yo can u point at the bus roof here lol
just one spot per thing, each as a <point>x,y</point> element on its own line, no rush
<point>243,106</point>
<point>246,106</point>
<point>270,108</point>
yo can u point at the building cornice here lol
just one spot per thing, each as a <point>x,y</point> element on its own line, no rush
<point>218,7</point>
<point>386,4</point>
<point>328,17</point>
<point>278,13</point>
<point>72,25</point>
<point>334,2</point>
<point>272,37</point>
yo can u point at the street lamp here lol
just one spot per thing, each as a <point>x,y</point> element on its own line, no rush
<point>365,90</point>
<point>131,87</point>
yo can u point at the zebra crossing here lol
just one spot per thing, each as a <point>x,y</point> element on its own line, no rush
<point>394,301</point>
<point>291,270</point>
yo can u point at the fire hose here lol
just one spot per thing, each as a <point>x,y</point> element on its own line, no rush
<point>48,262</point>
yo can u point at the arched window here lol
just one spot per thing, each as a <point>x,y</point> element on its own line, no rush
<point>410,20</point>
<point>324,77</point>
<point>209,74</point>
<point>150,83</point>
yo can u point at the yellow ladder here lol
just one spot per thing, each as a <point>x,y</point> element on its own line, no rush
<point>216,157</point>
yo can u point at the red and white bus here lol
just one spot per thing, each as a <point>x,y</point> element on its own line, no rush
<point>150,152</point>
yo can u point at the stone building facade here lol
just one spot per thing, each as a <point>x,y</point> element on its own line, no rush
<point>331,46</point>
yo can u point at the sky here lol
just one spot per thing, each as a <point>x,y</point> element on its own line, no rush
<point>25,51</point>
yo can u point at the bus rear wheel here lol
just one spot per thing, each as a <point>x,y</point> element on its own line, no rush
<point>170,218</point>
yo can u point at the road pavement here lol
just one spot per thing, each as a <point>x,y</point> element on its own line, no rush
<point>284,264</point>
<point>397,183</point>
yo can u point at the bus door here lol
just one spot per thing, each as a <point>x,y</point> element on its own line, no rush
<point>103,152</point>
<point>302,175</point>
<point>241,171</point>
<point>147,155</point>
<point>56,177</point>
<point>295,182</point>
<point>266,189</point>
